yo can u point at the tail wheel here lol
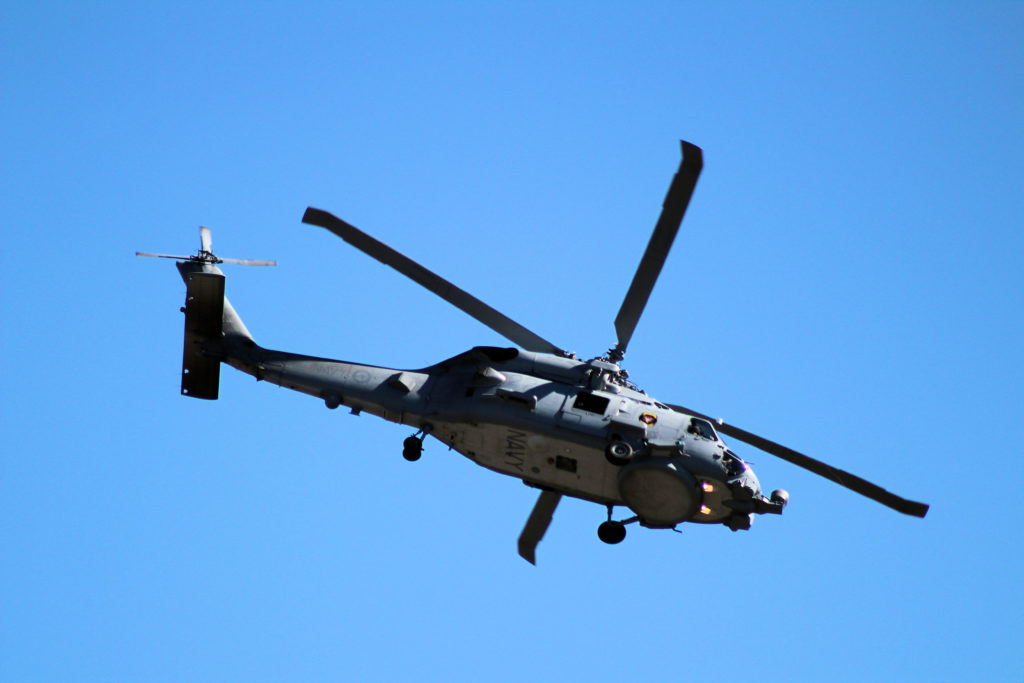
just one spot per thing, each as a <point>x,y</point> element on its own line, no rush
<point>412,449</point>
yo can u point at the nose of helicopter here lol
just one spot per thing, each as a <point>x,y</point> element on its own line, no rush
<point>748,500</point>
<point>745,480</point>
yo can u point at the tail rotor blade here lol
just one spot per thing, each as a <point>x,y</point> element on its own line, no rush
<point>247,262</point>
<point>841,477</point>
<point>206,239</point>
<point>146,253</point>
<point>672,211</point>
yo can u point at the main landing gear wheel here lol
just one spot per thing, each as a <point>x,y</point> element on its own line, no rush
<point>618,452</point>
<point>611,532</point>
<point>412,449</point>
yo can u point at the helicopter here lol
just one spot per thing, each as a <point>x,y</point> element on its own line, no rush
<point>562,425</point>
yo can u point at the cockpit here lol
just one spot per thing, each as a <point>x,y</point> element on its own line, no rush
<point>734,465</point>
<point>702,428</point>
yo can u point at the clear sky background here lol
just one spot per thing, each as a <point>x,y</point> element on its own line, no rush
<point>847,281</point>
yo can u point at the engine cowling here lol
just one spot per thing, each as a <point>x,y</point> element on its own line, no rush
<point>659,490</point>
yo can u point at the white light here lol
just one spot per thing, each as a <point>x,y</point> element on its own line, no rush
<point>708,488</point>
<point>705,510</point>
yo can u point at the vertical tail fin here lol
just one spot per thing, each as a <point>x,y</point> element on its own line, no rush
<point>204,323</point>
<point>210,319</point>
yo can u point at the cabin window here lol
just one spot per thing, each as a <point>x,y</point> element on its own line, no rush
<point>590,402</point>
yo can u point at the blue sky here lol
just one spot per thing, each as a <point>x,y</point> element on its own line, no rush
<point>847,281</point>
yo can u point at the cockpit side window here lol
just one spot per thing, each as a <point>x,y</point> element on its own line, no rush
<point>733,465</point>
<point>702,428</point>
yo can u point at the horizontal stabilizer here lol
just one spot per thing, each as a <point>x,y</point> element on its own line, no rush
<point>204,314</point>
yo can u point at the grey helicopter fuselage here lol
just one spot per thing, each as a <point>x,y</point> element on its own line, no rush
<point>534,412</point>
<point>541,418</point>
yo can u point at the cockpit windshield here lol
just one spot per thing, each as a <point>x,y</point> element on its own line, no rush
<point>702,428</point>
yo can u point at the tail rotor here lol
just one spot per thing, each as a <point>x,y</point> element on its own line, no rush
<point>206,255</point>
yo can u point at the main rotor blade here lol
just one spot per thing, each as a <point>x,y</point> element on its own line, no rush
<point>537,524</point>
<point>841,477</point>
<point>459,298</point>
<point>672,210</point>
<point>205,239</point>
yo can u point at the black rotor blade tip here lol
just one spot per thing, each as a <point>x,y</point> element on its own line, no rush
<point>316,216</point>
<point>693,156</point>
